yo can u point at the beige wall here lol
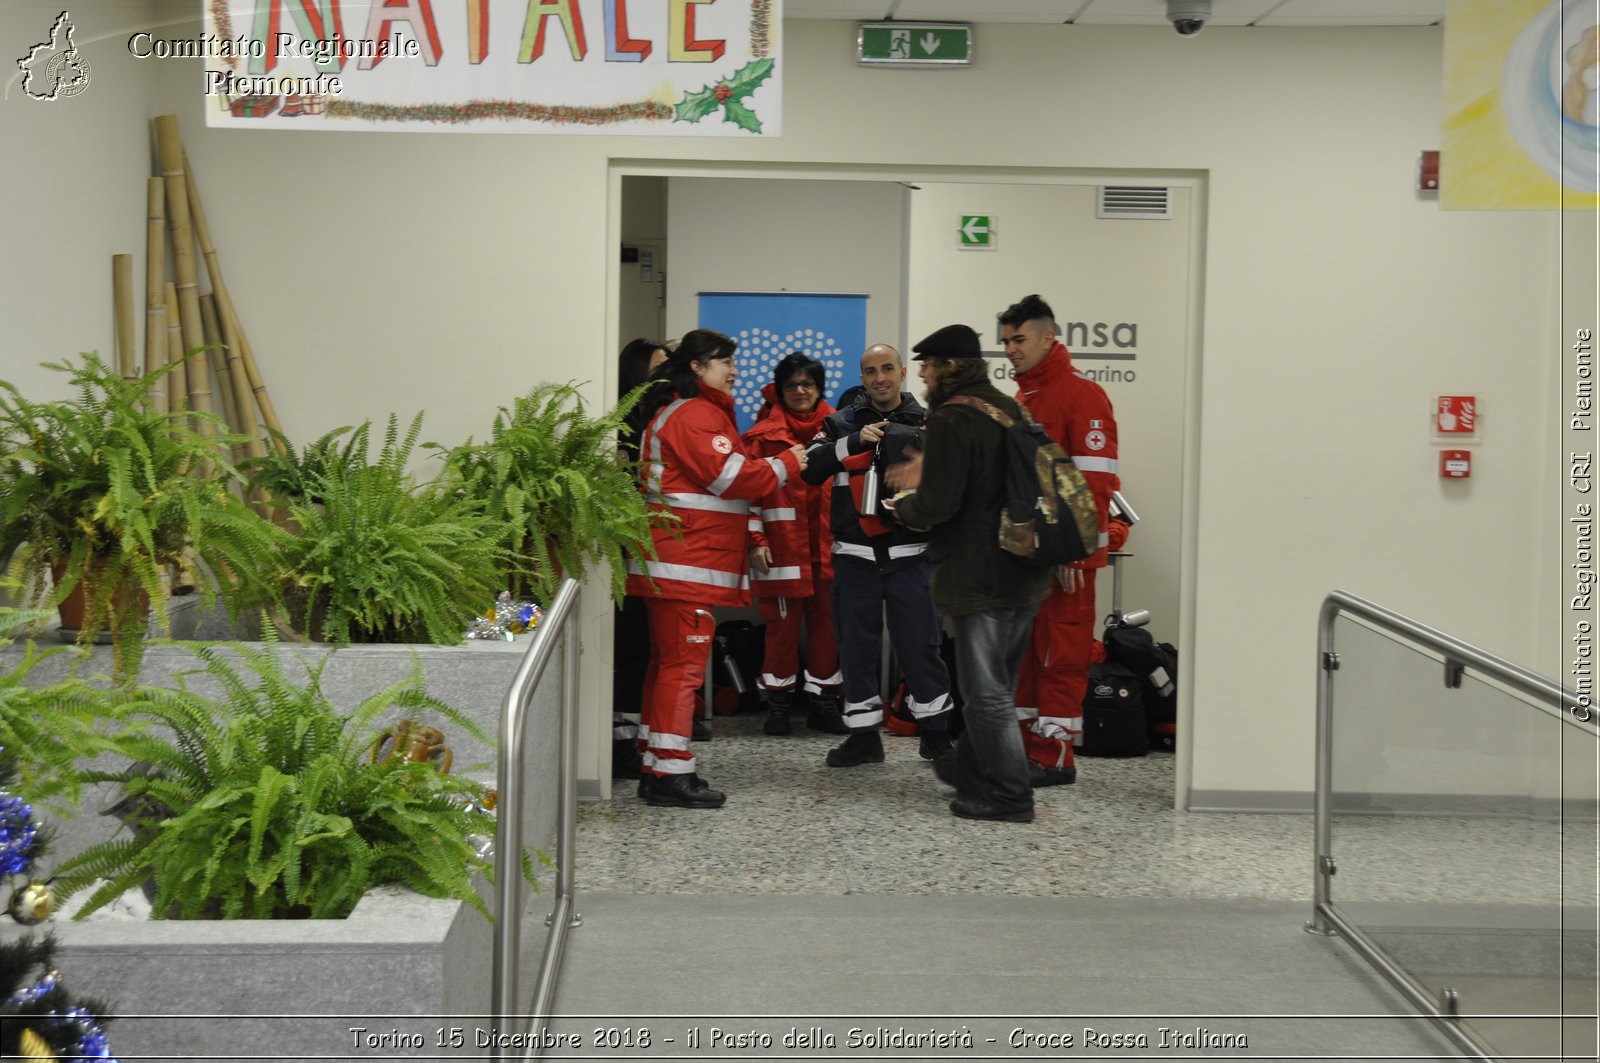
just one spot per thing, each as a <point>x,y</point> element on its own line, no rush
<point>1095,271</point>
<point>832,237</point>
<point>381,272</point>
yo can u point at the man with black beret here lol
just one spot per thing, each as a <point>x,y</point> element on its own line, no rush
<point>956,489</point>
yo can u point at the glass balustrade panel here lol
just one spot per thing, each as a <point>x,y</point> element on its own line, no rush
<point>1460,817</point>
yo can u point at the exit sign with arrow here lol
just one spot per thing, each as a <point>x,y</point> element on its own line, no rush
<point>977,232</point>
<point>914,44</point>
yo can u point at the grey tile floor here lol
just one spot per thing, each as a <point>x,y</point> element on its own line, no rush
<point>792,825</point>
<point>829,899</point>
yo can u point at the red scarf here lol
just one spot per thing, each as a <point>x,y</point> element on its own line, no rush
<point>801,427</point>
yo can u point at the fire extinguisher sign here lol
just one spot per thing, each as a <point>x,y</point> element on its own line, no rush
<point>1456,414</point>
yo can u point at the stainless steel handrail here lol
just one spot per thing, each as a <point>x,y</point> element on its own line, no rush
<point>1548,696</point>
<point>508,818</point>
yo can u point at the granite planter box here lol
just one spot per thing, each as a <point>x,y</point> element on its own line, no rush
<point>396,970</point>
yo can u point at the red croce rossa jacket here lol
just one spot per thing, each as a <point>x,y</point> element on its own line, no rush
<point>1077,413</point>
<point>696,466</point>
<point>792,520</point>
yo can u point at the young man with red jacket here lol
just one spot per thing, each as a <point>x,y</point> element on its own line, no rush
<point>1077,413</point>
<point>697,469</point>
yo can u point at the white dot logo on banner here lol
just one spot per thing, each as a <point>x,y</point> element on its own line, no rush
<point>766,348</point>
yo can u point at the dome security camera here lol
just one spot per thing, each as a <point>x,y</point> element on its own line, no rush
<point>1188,17</point>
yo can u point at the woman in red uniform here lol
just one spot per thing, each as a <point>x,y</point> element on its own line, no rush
<point>696,467</point>
<point>791,565</point>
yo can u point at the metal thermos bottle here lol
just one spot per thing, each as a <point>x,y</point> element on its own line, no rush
<point>869,488</point>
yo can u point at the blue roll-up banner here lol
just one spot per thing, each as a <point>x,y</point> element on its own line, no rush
<point>770,326</point>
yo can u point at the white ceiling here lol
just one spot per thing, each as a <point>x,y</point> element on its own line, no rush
<point>1289,13</point>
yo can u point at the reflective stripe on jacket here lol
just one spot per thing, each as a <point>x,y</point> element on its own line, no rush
<point>791,520</point>
<point>696,466</point>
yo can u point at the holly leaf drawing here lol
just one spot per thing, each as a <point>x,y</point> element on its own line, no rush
<point>741,116</point>
<point>748,79</point>
<point>729,95</point>
<point>696,105</point>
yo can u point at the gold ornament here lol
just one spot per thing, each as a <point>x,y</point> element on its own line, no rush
<point>35,1047</point>
<point>32,903</point>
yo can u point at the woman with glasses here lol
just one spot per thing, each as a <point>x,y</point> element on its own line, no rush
<point>791,568</point>
<point>694,467</point>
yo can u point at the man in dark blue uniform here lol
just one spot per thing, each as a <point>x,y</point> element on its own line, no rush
<point>877,563</point>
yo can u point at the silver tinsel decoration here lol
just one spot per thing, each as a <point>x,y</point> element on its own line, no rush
<point>511,617</point>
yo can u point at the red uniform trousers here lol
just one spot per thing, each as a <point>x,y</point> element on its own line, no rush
<point>780,665</point>
<point>680,644</point>
<point>1055,675</point>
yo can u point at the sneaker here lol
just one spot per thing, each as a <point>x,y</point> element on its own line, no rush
<point>981,808</point>
<point>682,791</point>
<point>931,745</point>
<point>1039,775</point>
<point>862,747</point>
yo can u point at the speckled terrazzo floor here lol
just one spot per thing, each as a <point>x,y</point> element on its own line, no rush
<point>793,901</point>
<point>792,825</point>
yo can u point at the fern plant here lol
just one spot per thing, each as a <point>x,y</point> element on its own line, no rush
<point>560,496</point>
<point>106,493</point>
<point>285,476</point>
<point>376,556</point>
<point>268,802</point>
<point>48,730</point>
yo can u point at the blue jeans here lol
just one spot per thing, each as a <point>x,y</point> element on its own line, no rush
<point>989,757</point>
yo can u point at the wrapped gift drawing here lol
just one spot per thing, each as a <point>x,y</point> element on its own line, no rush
<point>253,106</point>
<point>296,105</point>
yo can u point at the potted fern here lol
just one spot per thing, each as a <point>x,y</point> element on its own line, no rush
<point>107,493</point>
<point>559,496</point>
<point>272,802</point>
<point>373,555</point>
<point>47,729</point>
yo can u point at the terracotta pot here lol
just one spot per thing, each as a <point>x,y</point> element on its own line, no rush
<point>128,602</point>
<point>416,742</point>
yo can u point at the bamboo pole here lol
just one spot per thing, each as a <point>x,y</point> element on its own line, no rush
<point>122,301</point>
<point>155,281</point>
<point>268,415</point>
<point>249,389</point>
<point>178,379</point>
<point>218,357</point>
<point>169,148</point>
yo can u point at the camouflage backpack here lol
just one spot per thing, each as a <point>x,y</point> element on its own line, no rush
<point>1049,517</point>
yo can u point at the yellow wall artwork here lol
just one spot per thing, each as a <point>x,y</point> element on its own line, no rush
<point>1521,105</point>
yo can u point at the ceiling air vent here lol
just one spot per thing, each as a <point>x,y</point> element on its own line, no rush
<point>1128,201</point>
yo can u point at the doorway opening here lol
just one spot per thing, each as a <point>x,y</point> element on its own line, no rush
<point>1126,291</point>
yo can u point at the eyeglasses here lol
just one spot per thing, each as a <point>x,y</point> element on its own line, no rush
<point>800,385</point>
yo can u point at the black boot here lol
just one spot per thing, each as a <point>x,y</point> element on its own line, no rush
<point>825,715</point>
<point>931,745</point>
<point>681,791</point>
<point>862,747</point>
<point>626,761</point>
<point>779,702</point>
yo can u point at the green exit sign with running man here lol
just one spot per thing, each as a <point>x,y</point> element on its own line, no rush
<point>913,44</point>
